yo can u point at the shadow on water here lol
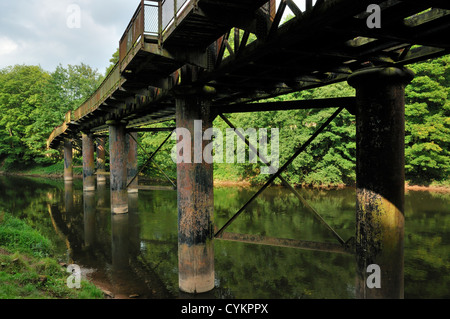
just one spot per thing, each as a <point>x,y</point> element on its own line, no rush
<point>136,254</point>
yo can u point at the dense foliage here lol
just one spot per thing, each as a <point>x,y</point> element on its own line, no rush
<point>33,102</point>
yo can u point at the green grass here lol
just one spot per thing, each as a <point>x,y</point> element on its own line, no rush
<point>16,235</point>
<point>41,169</point>
<point>27,269</point>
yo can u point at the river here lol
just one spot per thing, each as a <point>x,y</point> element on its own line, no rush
<point>136,254</point>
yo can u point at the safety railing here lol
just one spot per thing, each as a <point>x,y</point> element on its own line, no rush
<point>151,19</point>
<point>170,10</point>
<point>108,86</point>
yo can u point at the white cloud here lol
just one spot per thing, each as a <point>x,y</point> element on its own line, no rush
<point>37,32</point>
<point>7,46</point>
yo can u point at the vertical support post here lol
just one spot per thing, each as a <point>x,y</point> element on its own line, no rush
<point>68,161</point>
<point>101,152</point>
<point>88,163</point>
<point>118,167</point>
<point>380,180</point>
<point>195,197</point>
<point>132,162</point>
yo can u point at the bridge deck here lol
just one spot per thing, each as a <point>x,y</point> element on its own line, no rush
<point>324,44</point>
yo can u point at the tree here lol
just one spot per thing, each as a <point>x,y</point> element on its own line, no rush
<point>21,90</point>
<point>33,102</point>
<point>428,122</point>
<point>114,60</point>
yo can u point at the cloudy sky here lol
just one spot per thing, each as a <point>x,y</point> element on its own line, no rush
<point>50,32</point>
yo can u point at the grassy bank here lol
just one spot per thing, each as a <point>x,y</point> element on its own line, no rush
<point>27,268</point>
<point>54,170</point>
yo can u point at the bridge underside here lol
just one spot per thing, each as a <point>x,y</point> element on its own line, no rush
<point>323,45</point>
<point>218,57</point>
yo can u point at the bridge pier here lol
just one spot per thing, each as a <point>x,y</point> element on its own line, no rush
<point>118,167</point>
<point>101,152</point>
<point>68,161</point>
<point>195,201</point>
<point>380,180</point>
<point>132,162</point>
<point>88,163</point>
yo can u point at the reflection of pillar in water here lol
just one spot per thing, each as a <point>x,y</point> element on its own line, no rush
<point>68,160</point>
<point>134,223</point>
<point>120,241</point>
<point>89,218</point>
<point>380,179</point>
<point>102,192</point>
<point>68,196</point>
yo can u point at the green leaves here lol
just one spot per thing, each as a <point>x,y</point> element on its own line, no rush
<point>33,102</point>
<point>428,122</point>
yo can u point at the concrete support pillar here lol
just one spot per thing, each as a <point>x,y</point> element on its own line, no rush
<point>132,162</point>
<point>88,163</point>
<point>68,161</point>
<point>101,152</point>
<point>118,167</point>
<point>380,180</point>
<point>195,198</point>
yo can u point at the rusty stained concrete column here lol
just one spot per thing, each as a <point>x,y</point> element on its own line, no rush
<point>101,152</point>
<point>195,203</point>
<point>88,163</point>
<point>118,167</point>
<point>380,179</point>
<point>132,161</point>
<point>68,161</point>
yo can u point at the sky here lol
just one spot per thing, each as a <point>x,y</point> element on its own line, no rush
<point>53,32</point>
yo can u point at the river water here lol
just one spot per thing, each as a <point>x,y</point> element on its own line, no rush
<point>136,254</point>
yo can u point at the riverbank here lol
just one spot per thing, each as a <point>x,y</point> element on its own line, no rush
<point>28,269</point>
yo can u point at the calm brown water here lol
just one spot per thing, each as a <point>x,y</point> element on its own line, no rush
<point>137,253</point>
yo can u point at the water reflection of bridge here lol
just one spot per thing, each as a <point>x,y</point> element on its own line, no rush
<point>178,61</point>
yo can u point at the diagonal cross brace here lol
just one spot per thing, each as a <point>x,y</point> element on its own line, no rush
<point>278,175</point>
<point>150,159</point>
<point>286,183</point>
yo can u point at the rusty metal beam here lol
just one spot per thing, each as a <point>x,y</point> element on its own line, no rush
<point>151,129</point>
<point>347,102</point>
